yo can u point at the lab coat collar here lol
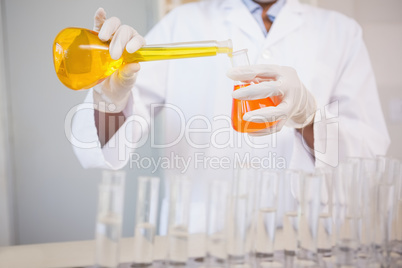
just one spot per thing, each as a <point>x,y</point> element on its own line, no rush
<point>236,13</point>
<point>288,20</point>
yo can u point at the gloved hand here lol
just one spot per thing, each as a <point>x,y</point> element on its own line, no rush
<point>112,95</point>
<point>297,106</point>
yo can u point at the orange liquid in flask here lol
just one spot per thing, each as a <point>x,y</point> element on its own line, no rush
<point>240,107</point>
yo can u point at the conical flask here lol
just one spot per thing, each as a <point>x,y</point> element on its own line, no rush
<point>240,107</point>
<point>82,60</point>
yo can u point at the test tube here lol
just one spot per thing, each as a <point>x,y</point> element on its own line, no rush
<point>325,235</point>
<point>310,210</point>
<point>216,223</point>
<point>265,229</point>
<point>288,212</point>
<point>367,177</point>
<point>346,198</point>
<point>109,219</point>
<point>179,209</point>
<point>395,224</point>
<point>240,216</point>
<point>398,205</point>
<point>389,170</point>
<point>145,220</point>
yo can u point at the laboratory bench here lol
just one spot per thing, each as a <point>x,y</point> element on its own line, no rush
<point>81,254</point>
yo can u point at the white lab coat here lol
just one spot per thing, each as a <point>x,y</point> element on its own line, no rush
<point>325,47</point>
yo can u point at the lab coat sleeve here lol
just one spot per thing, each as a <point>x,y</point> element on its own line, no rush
<point>149,89</point>
<point>352,123</point>
<point>115,154</point>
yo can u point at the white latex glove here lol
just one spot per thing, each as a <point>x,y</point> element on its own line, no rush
<point>112,95</point>
<point>297,106</point>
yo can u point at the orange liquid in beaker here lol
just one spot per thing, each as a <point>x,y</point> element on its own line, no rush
<point>240,107</point>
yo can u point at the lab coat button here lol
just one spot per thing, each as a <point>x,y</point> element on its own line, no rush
<point>267,54</point>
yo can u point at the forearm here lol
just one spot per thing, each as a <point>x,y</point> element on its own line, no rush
<point>107,125</point>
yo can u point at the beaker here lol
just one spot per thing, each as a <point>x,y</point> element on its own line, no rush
<point>240,107</point>
<point>81,60</point>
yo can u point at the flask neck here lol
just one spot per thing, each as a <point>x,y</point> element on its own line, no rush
<point>240,58</point>
<point>225,47</point>
<point>179,51</point>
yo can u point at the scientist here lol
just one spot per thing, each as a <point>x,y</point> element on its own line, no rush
<point>320,68</point>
